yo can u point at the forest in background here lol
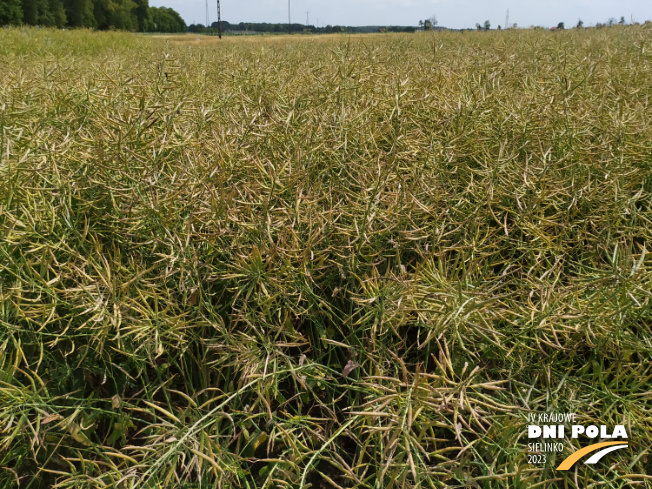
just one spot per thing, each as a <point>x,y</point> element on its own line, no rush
<point>132,15</point>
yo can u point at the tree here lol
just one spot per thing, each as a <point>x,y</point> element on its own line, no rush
<point>80,13</point>
<point>580,24</point>
<point>102,14</point>
<point>58,13</point>
<point>487,25</point>
<point>11,12</point>
<point>421,24</point>
<point>48,13</point>
<point>123,16</point>
<point>162,19</point>
<point>622,21</point>
<point>427,25</point>
<point>31,11</point>
<point>141,11</point>
<point>433,21</point>
<point>561,26</point>
<point>115,14</point>
<point>478,26</point>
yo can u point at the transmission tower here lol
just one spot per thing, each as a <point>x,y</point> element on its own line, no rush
<point>207,14</point>
<point>219,20</point>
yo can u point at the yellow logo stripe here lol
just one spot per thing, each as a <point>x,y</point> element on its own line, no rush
<point>574,457</point>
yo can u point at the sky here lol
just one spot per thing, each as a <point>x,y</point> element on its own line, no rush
<point>455,14</point>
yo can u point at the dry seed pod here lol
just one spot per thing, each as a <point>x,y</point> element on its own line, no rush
<point>192,300</point>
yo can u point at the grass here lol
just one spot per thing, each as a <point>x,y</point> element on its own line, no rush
<point>198,239</point>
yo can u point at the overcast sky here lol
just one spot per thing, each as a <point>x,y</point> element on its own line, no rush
<point>450,13</point>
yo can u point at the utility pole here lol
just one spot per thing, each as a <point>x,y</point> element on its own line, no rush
<point>507,20</point>
<point>307,17</point>
<point>207,26</point>
<point>289,19</point>
<point>219,20</point>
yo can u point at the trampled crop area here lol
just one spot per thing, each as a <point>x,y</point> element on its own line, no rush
<point>353,262</point>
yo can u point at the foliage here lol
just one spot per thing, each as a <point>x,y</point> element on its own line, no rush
<point>103,14</point>
<point>429,24</point>
<point>199,239</point>
<point>142,13</point>
<point>163,19</point>
<point>48,13</point>
<point>80,13</point>
<point>11,12</point>
<point>116,14</point>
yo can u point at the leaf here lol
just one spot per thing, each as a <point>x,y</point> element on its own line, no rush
<point>78,435</point>
<point>115,401</point>
<point>119,429</point>
<point>349,367</point>
<point>253,444</point>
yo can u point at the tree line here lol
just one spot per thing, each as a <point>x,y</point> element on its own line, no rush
<point>284,28</point>
<point>248,26</point>
<point>131,15</point>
